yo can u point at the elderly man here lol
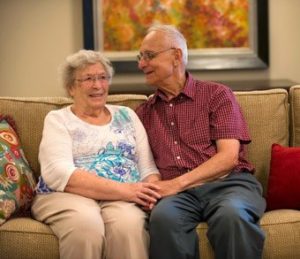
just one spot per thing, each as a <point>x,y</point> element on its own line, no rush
<point>198,135</point>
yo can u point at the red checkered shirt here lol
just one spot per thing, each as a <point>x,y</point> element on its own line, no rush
<point>183,131</point>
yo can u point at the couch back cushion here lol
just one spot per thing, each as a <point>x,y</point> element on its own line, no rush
<point>266,113</point>
<point>295,115</point>
<point>29,114</point>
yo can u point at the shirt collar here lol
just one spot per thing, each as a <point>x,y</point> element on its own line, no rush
<point>189,87</point>
<point>188,90</point>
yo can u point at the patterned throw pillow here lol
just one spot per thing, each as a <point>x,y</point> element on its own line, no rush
<point>16,178</point>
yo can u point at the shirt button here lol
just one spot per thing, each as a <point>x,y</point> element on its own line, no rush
<point>172,123</point>
<point>178,157</point>
<point>175,142</point>
<point>171,104</point>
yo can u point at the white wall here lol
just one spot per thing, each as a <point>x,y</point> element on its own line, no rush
<point>285,39</point>
<point>36,36</point>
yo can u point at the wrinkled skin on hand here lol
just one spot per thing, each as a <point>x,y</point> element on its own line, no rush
<point>142,193</point>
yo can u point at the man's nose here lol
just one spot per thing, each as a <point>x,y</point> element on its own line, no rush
<point>141,63</point>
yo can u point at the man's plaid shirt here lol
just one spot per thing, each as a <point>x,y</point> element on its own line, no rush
<point>182,132</point>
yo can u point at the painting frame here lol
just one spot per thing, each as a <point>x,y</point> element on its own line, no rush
<point>256,57</point>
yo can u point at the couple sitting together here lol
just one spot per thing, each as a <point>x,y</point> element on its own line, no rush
<point>117,184</point>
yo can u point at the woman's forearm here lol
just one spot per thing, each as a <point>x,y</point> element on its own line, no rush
<point>98,188</point>
<point>94,187</point>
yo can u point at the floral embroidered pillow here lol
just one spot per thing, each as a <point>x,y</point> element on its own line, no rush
<point>16,178</point>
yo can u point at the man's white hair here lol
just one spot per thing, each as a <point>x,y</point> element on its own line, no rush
<point>175,36</point>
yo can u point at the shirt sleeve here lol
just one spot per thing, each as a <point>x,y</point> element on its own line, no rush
<point>226,118</point>
<point>55,152</point>
<point>146,164</point>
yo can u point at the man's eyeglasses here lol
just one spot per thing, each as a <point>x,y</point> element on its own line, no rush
<point>89,80</point>
<point>149,55</point>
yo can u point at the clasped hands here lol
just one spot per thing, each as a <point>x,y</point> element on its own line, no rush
<point>147,194</point>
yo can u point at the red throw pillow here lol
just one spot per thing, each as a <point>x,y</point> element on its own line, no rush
<point>284,179</point>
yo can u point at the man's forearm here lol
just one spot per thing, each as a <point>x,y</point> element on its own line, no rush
<point>152,178</point>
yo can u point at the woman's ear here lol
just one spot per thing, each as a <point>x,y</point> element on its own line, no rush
<point>71,91</point>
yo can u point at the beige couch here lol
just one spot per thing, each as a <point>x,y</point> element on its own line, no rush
<point>273,116</point>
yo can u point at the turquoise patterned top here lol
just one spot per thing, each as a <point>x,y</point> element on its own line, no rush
<point>108,151</point>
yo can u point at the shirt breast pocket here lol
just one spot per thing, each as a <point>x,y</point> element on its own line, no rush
<point>195,131</point>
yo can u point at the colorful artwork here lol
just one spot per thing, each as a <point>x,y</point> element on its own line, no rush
<point>204,23</point>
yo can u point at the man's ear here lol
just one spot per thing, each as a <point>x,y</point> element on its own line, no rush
<point>178,54</point>
<point>178,60</point>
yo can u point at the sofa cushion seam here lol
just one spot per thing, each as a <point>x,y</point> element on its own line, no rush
<point>26,232</point>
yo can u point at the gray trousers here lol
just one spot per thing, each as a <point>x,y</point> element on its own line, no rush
<point>87,229</point>
<point>232,208</point>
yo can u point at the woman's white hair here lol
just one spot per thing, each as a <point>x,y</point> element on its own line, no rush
<point>80,60</point>
<point>175,36</point>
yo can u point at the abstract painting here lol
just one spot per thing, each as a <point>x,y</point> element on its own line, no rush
<point>221,34</point>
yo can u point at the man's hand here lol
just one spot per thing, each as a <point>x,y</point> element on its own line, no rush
<point>169,187</point>
<point>166,188</point>
<point>142,193</point>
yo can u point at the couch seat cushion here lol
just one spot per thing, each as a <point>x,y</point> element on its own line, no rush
<point>283,235</point>
<point>19,237</point>
<point>278,244</point>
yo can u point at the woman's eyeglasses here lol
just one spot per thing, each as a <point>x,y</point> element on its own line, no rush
<point>89,80</point>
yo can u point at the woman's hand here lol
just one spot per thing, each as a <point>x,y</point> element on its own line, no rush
<point>142,193</point>
<point>166,188</point>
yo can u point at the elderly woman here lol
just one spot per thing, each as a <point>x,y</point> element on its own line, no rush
<point>96,167</point>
